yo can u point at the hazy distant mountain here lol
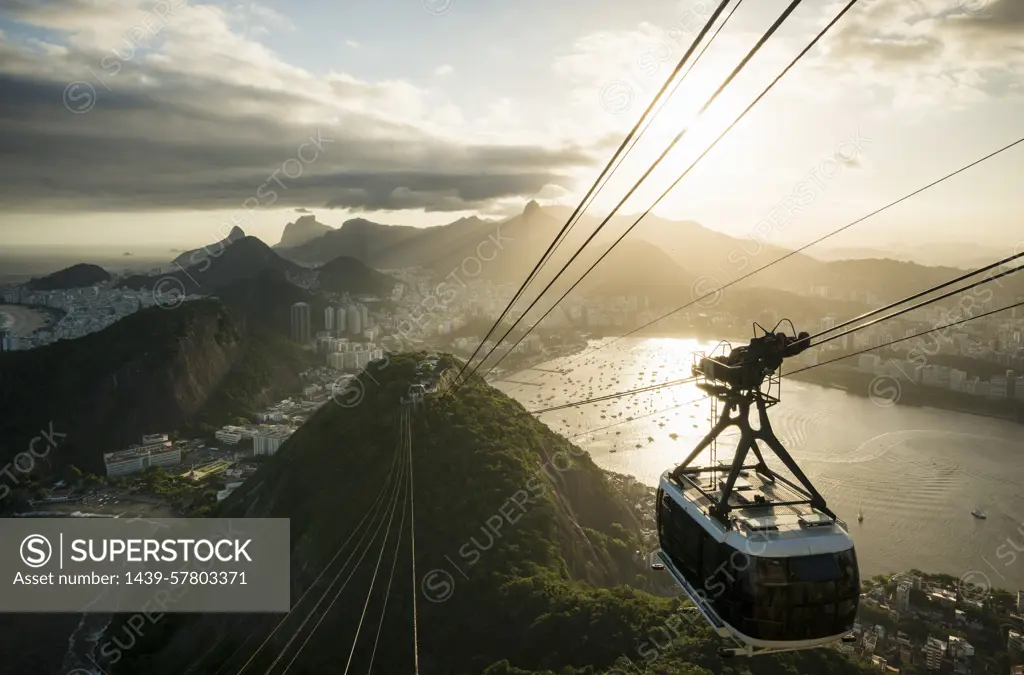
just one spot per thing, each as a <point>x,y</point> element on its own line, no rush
<point>469,247</point>
<point>265,299</point>
<point>345,274</point>
<point>76,276</point>
<point>195,256</point>
<point>665,255</point>
<point>639,268</point>
<point>305,229</point>
<point>243,259</point>
<point>965,255</point>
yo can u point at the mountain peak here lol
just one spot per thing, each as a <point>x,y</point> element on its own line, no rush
<point>532,208</point>
<point>196,256</point>
<point>303,230</point>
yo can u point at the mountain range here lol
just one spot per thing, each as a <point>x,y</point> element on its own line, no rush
<point>249,258</point>
<point>659,256</point>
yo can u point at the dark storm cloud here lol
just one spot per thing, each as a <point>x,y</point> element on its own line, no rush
<point>160,139</point>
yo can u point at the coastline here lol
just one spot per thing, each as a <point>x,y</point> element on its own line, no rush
<point>858,383</point>
<point>839,377</point>
<point>25,319</point>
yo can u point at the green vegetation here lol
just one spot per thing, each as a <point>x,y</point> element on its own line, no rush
<point>269,367</point>
<point>192,497</point>
<point>537,542</point>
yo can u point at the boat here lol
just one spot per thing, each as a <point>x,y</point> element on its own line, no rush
<point>860,517</point>
<point>978,513</point>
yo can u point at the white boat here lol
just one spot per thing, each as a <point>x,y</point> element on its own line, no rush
<point>978,513</point>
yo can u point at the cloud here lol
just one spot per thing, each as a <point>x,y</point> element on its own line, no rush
<point>443,70</point>
<point>932,51</point>
<point>302,210</point>
<point>202,117</point>
<point>353,44</point>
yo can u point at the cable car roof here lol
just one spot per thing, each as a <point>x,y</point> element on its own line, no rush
<point>764,529</point>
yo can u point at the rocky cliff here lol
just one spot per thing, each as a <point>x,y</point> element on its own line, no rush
<point>154,371</point>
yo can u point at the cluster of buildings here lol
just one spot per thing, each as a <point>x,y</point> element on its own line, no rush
<point>266,440</point>
<point>997,340</point>
<point>341,354</point>
<point>1007,386</point>
<point>155,450</point>
<point>532,344</point>
<point>83,311</point>
<point>945,650</point>
<point>350,319</point>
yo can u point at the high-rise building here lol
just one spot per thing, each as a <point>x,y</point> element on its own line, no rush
<point>364,316</point>
<point>4,346</point>
<point>934,650</point>
<point>355,320</point>
<point>329,318</point>
<point>903,597</point>
<point>269,441</point>
<point>340,320</point>
<point>301,330</point>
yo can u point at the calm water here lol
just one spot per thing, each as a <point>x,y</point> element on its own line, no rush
<point>915,472</point>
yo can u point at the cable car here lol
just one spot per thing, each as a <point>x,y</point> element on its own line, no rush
<point>762,557</point>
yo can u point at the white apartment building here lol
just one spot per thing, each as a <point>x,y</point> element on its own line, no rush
<point>959,648</point>
<point>139,458</point>
<point>230,435</point>
<point>269,441</point>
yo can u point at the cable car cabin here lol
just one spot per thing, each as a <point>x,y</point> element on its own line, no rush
<point>780,578</point>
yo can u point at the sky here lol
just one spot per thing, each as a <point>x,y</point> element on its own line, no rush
<point>128,124</point>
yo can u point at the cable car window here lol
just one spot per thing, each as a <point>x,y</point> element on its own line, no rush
<point>771,571</point>
<point>812,593</point>
<point>814,568</point>
<point>848,584</point>
<point>693,538</point>
<point>709,567</point>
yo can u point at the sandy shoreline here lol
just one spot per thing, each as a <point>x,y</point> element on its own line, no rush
<point>21,321</point>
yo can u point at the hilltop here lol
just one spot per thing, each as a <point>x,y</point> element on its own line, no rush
<point>245,258</point>
<point>537,543</point>
<point>345,274</point>
<point>303,230</point>
<point>196,256</point>
<point>76,276</point>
